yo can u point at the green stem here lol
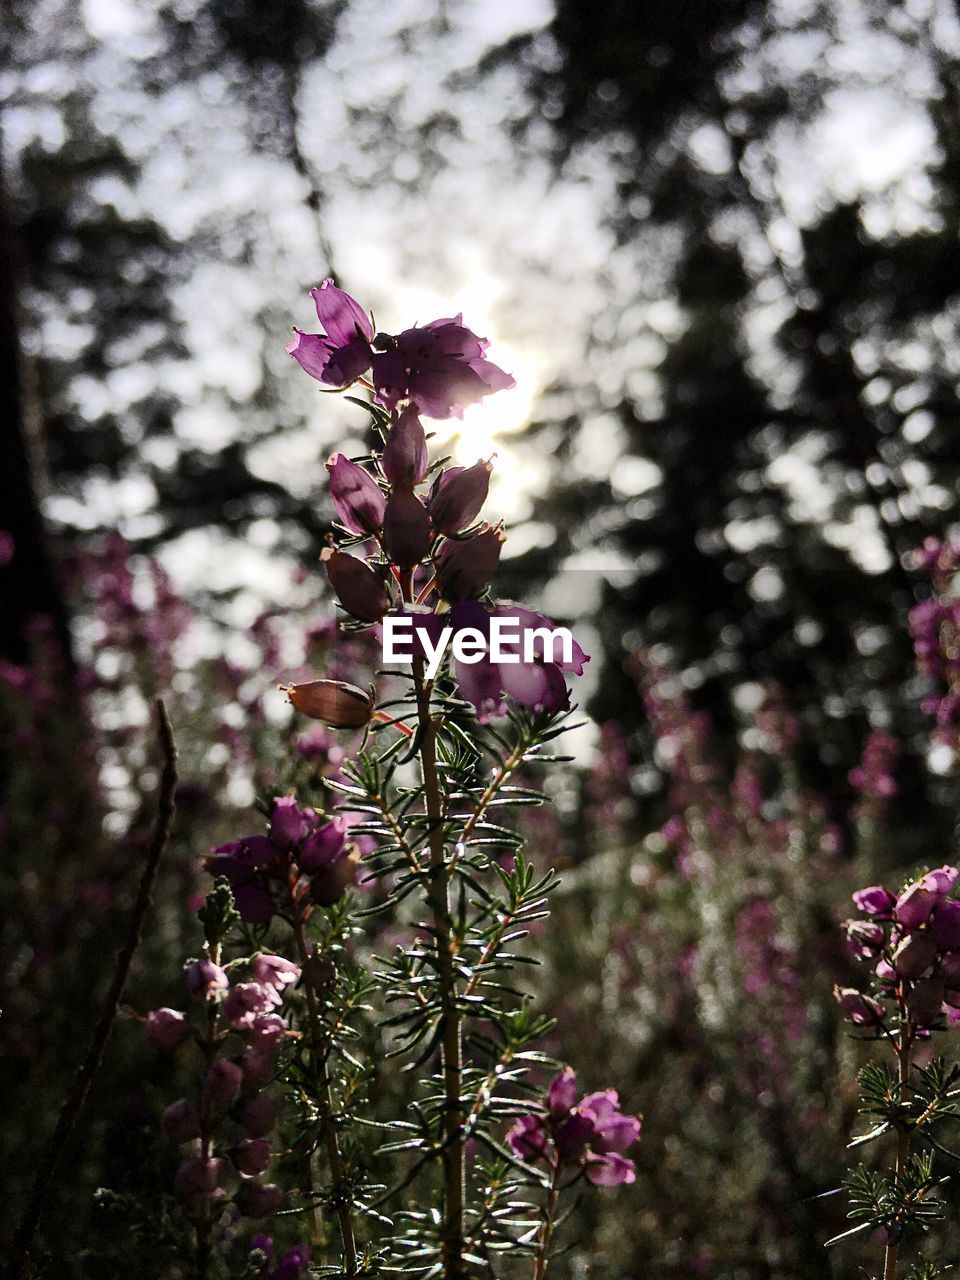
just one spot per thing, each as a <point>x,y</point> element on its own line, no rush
<point>546,1228</point>
<point>203,1223</point>
<point>322,1086</point>
<point>903,1138</point>
<point>454,1174</point>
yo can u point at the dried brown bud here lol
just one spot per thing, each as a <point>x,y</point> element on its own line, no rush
<point>338,704</point>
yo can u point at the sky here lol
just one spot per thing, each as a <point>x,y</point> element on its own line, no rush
<point>475,224</point>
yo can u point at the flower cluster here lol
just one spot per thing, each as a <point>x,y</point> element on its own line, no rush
<point>873,778</point>
<point>432,558</point>
<point>935,629</point>
<point>440,367</point>
<point>590,1134</point>
<point>912,942</point>
<point>291,1265</point>
<point>304,857</point>
<point>241,1034</point>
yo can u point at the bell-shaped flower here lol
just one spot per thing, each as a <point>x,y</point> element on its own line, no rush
<point>441,367</point>
<point>357,498</point>
<point>405,460</point>
<point>342,353</point>
<point>359,588</point>
<point>406,529</point>
<point>457,497</point>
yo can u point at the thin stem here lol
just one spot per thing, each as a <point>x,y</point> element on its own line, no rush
<point>322,1084</point>
<point>454,1179</point>
<point>546,1228</point>
<point>203,1222</point>
<point>904,1043</point>
<point>18,1262</point>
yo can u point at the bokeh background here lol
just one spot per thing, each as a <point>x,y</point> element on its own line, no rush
<point>716,242</point>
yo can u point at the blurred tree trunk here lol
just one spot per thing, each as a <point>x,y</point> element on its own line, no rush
<point>28,584</point>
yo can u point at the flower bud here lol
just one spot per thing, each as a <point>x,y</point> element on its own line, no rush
<point>861,1009</point>
<point>915,954</point>
<point>924,1002</point>
<point>464,569</point>
<point>204,979</point>
<point>357,498</point>
<point>338,704</point>
<point>404,458</point>
<point>166,1028</point>
<point>875,900</point>
<point>244,1001</point>
<point>260,1199</point>
<point>329,885</point>
<point>181,1120</point>
<point>322,846</point>
<point>267,1033</point>
<point>258,1065</point>
<point>319,972</point>
<point>252,1156</point>
<point>864,938</point>
<point>222,1084</point>
<point>198,1177</point>
<point>359,588</point>
<point>406,529</point>
<point>946,925</point>
<point>950,969</point>
<point>457,497</point>
<point>257,1116</point>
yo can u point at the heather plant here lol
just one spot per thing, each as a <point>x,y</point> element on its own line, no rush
<point>910,942</point>
<point>301,1036</point>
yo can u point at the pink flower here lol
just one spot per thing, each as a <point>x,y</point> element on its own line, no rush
<point>342,353</point>
<point>441,367</point>
<point>592,1133</point>
<point>166,1028</point>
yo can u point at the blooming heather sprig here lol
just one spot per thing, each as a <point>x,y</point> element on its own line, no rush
<point>303,856</point>
<point>911,943</point>
<point>241,1032</point>
<point>441,367</point>
<point>590,1134</point>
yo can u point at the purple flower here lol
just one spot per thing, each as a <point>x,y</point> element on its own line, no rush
<point>915,954</point>
<point>181,1120</point>
<point>293,1263</point>
<point>244,1001</point>
<point>251,1156</point>
<point>357,498</point>
<point>861,1009</point>
<point>222,1084</point>
<point>166,1028</point>
<point>260,1199</point>
<point>865,938</point>
<point>323,846</point>
<point>405,460</point>
<point>204,979</point>
<point>457,496</point>
<point>342,353</point>
<point>528,1138</point>
<point>257,1116</point>
<point>198,1177</point>
<point>359,588</point>
<point>918,900</point>
<point>465,569</point>
<point>259,868</point>
<point>440,367</point>
<point>875,900</point>
<point>592,1133</point>
<point>406,529</point>
<point>274,971</point>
